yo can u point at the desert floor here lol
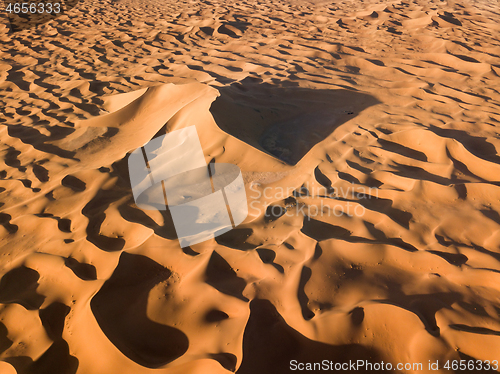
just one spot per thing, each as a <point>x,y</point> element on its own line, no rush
<point>368,136</point>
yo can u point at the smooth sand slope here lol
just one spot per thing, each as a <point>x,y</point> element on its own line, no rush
<point>368,136</point>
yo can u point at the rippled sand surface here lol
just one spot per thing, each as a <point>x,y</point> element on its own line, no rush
<point>368,136</point>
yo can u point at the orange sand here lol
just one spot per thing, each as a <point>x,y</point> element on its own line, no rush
<point>399,100</point>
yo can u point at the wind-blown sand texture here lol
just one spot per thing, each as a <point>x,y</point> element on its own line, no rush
<point>401,97</point>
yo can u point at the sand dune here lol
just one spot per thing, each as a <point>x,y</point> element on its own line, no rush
<point>367,136</point>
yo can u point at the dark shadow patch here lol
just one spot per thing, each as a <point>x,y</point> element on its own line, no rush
<point>189,251</point>
<point>380,236</point>
<point>491,214</point>
<point>5,222</point>
<point>376,62</point>
<point>20,363</point>
<point>207,30</point>
<point>305,275</point>
<point>267,256</point>
<point>236,239</point>
<point>385,206</point>
<point>56,359</point>
<point>223,29</point>
<point>424,306</point>
<point>273,213</point>
<point>234,28</point>
<point>41,173</point>
<point>393,30</point>
<point>82,270</point>
<point>463,45</point>
<point>319,230</point>
<point>136,215</point>
<point>11,159</point>
<point>456,259</point>
<point>404,72</point>
<point>317,251</point>
<point>285,121</point>
<point>5,342</point>
<point>446,242</point>
<point>402,150</point>
<point>33,137</point>
<point>52,318</point>
<point>474,330</point>
<point>450,18</point>
<point>484,97</point>
<point>358,167</point>
<point>322,178</point>
<point>227,360</point>
<point>300,192</point>
<point>352,70</point>
<point>467,59</point>
<point>478,146</point>
<point>120,310</point>
<point>342,24</point>
<point>415,172</point>
<point>19,286</point>
<point>26,182</point>
<point>64,224</point>
<point>461,190</point>
<point>215,315</point>
<point>94,211</point>
<point>474,308</point>
<point>222,277</point>
<point>357,315</point>
<point>269,345</point>
<point>364,159</point>
<point>128,209</point>
<point>74,183</point>
<point>348,178</point>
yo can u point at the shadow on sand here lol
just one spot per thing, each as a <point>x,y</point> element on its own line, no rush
<point>284,120</point>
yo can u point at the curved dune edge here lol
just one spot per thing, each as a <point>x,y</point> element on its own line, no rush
<point>403,99</point>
